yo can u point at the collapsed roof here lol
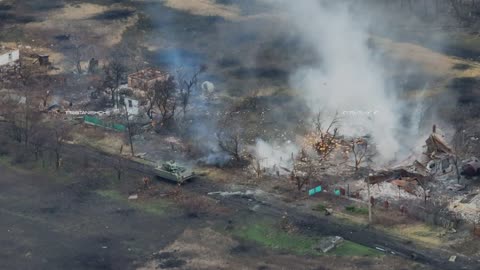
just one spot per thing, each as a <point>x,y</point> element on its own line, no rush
<point>394,174</point>
<point>436,145</point>
<point>437,149</point>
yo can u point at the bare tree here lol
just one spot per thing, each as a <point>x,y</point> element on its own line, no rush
<point>60,134</point>
<point>150,99</point>
<point>361,152</point>
<point>303,171</point>
<point>9,108</point>
<point>118,164</point>
<point>114,72</point>
<point>255,164</point>
<point>324,140</point>
<point>31,119</point>
<point>187,83</point>
<point>23,118</point>
<point>166,99</point>
<point>230,142</point>
<point>422,182</point>
<point>77,55</point>
<point>229,136</point>
<point>38,142</point>
<point>44,98</point>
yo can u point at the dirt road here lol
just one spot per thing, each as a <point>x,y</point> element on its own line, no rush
<point>323,225</point>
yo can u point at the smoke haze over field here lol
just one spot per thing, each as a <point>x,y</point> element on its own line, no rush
<point>325,51</point>
<point>349,77</point>
<point>275,155</point>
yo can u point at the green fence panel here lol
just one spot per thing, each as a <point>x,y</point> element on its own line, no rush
<point>119,127</point>
<point>97,122</point>
<point>313,191</point>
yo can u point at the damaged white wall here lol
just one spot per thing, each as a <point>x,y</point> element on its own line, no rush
<point>8,56</point>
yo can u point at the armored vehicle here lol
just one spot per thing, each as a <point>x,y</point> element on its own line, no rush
<point>172,171</point>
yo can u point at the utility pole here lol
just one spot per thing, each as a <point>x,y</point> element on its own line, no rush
<point>129,129</point>
<point>368,200</point>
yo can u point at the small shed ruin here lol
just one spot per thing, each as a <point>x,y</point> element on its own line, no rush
<point>146,78</point>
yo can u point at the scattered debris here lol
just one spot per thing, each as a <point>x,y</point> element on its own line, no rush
<point>141,155</point>
<point>255,208</point>
<point>399,173</point>
<point>471,167</point>
<point>133,197</point>
<point>437,146</point>
<point>43,60</point>
<point>235,193</point>
<point>329,243</point>
<point>452,258</point>
<point>456,187</point>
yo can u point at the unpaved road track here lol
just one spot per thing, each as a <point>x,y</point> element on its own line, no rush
<point>438,259</point>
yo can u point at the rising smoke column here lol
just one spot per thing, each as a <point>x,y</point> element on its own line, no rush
<point>348,77</point>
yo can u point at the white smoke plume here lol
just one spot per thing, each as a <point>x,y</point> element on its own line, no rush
<point>275,156</point>
<point>349,76</point>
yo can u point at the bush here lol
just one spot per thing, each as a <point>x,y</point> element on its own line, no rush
<point>319,207</point>
<point>356,210</point>
<point>4,150</point>
<point>4,145</point>
<point>19,157</point>
<point>194,207</point>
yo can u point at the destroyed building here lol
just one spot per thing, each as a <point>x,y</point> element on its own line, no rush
<point>439,156</point>
<point>8,56</point>
<point>146,78</point>
<point>437,161</point>
<point>131,105</point>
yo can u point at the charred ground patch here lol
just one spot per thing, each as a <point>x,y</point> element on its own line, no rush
<point>63,232</point>
<point>5,7</point>
<point>40,5</point>
<point>114,14</point>
<point>260,72</point>
<point>174,58</point>
<point>467,89</point>
<point>461,66</point>
<point>10,17</point>
<point>228,62</point>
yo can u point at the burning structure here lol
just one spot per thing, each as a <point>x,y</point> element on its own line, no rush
<point>146,78</point>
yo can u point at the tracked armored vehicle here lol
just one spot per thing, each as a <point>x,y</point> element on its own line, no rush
<point>173,172</point>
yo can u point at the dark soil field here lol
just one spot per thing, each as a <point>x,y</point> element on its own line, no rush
<point>58,222</point>
<point>56,226</point>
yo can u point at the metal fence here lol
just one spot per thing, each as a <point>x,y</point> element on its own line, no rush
<point>91,120</point>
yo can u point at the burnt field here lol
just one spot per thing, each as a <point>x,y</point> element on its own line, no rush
<point>57,221</point>
<point>262,103</point>
<point>48,226</point>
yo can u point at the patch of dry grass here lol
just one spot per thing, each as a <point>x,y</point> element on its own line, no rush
<point>109,142</point>
<point>420,233</point>
<point>78,21</point>
<point>205,8</point>
<point>437,65</point>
